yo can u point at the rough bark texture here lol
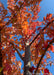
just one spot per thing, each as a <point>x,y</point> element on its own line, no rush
<point>1,73</point>
<point>27,60</point>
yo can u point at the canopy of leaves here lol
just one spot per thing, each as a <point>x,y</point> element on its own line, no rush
<point>24,23</point>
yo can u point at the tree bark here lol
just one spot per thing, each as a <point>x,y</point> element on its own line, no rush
<point>27,60</point>
<point>1,73</point>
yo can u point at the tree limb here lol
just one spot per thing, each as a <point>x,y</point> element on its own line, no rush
<point>12,17</point>
<point>42,30</point>
<point>43,56</point>
<point>17,51</point>
<point>1,66</point>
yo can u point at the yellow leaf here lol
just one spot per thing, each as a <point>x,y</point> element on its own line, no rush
<point>42,72</point>
<point>1,69</point>
<point>20,45</point>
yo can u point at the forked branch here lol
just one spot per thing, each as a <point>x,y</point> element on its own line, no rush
<point>17,51</point>
<point>42,30</point>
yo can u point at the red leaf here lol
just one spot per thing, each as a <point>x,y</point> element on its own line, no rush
<point>31,69</point>
<point>39,28</point>
<point>0,28</point>
<point>46,71</point>
<point>44,18</point>
<point>45,45</point>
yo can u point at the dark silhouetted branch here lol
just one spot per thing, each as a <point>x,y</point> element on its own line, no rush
<point>9,21</point>
<point>1,73</point>
<point>17,51</point>
<point>43,56</point>
<point>42,30</point>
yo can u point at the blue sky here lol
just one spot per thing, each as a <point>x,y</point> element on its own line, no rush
<point>47,6</point>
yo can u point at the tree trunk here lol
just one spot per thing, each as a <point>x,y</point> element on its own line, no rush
<point>27,60</point>
<point>1,73</point>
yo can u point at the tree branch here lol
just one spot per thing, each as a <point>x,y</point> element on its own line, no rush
<point>1,66</point>
<point>43,56</point>
<point>17,51</point>
<point>12,17</point>
<point>42,30</point>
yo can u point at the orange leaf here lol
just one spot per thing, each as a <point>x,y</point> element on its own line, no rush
<point>20,45</point>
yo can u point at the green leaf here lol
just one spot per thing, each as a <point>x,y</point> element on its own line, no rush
<point>1,69</point>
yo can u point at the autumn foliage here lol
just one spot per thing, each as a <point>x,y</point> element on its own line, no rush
<point>46,71</point>
<point>20,20</point>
